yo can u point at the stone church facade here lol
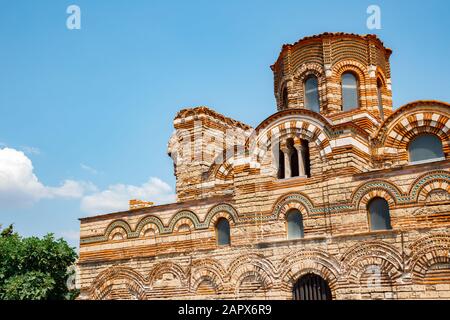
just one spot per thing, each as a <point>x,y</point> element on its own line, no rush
<point>334,196</point>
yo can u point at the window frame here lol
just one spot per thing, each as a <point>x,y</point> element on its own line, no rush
<point>216,227</point>
<point>309,77</point>
<point>380,87</point>
<point>425,160</point>
<point>285,98</point>
<point>302,229</point>
<point>358,95</point>
<point>369,215</point>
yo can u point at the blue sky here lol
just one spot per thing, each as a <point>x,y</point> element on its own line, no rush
<point>92,109</point>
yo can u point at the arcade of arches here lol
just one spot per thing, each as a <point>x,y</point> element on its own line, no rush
<point>336,195</point>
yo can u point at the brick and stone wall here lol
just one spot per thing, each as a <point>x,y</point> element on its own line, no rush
<point>226,169</point>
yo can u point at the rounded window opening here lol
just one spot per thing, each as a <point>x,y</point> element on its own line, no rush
<point>311,89</point>
<point>295,228</point>
<point>311,287</point>
<point>349,84</point>
<point>425,147</point>
<point>223,232</point>
<point>293,159</point>
<point>379,216</point>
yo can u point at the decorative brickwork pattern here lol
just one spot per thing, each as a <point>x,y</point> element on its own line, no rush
<point>227,170</point>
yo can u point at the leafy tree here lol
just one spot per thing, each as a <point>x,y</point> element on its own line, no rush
<point>33,268</point>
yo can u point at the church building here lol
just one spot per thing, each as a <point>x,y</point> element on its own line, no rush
<point>336,195</point>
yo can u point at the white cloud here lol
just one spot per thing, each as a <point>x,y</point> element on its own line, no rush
<point>71,189</point>
<point>31,150</point>
<point>88,169</point>
<point>19,186</point>
<point>116,197</point>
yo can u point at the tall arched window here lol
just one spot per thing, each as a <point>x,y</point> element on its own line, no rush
<point>349,91</point>
<point>223,232</point>
<point>425,147</point>
<point>312,94</point>
<point>294,224</point>
<point>379,217</point>
<point>380,98</point>
<point>293,161</point>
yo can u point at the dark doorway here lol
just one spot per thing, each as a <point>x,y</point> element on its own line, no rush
<point>311,287</point>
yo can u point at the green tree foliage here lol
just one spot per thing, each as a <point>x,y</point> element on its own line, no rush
<point>34,268</point>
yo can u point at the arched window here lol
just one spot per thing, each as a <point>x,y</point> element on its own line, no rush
<point>293,161</point>
<point>284,98</point>
<point>311,287</point>
<point>380,98</point>
<point>312,94</point>
<point>278,156</point>
<point>349,91</point>
<point>306,159</point>
<point>294,224</point>
<point>223,232</point>
<point>425,147</point>
<point>379,217</point>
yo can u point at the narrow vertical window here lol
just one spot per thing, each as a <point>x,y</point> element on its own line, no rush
<point>306,158</point>
<point>280,164</point>
<point>379,214</point>
<point>312,94</point>
<point>380,98</point>
<point>223,232</point>
<point>284,98</point>
<point>294,225</point>
<point>293,161</point>
<point>349,91</point>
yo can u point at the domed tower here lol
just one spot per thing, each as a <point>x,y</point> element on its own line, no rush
<point>335,74</point>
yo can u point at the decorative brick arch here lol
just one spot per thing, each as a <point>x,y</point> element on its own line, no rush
<point>222,210</point>
<point>251,262</point>
<point>361,73</point>
<point>382,76</point>
<point>223,170</point>
<point>115,226</point>
<point>166,267</point>
<point>259,275</point>
<point>292,201</point>
<point>386,94</point>
<point>411,120</point>
<point>301,128</point>
<point>117,230</point>
<point>103,286</point>
<point>377,188</point>
<point>357,258</point>
<point>149,222</point>
<point>428,182</point>
<point>203,276</point>
<point>183,222</point>
<point>294,266</point>
<point>376,193</point>
<point>286,82</point>
<point>427,251</point>
<point>185,215</point>
<point>301,74</point>
<point>302,123</point>
<point>207,269</point>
